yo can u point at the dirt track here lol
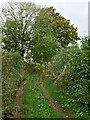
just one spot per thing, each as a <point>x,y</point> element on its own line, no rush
<point>57,107</point>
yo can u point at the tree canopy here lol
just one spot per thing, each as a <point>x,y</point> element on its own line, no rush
<point>39,32</point>
<point>44,43</point>
<point>50,31</point>
<point>16,26</point>
<point>61,27</point>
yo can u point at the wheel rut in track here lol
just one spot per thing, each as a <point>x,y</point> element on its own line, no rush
<point>18,99</point>
<point>57,107</point>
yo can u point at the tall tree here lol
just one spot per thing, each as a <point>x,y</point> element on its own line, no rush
<point>44,43</point>
<point>62,29</point>
<point>64,32</point>
<point>17,19</point>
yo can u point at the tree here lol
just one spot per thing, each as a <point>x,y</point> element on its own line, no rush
<point>50,31</point>
<point>62,30</point>
<point>44,43</point>
<point>17,19</point>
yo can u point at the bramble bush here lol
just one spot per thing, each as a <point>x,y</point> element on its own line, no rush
<point>14,70</point>
<point>74,82</point>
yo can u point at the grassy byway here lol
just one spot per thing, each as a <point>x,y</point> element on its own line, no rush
<point>35,104</point>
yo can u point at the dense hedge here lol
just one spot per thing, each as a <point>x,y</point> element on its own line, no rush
<point>14,70</point>
<point>73,83</point>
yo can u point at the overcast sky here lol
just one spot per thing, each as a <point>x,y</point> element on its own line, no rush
<point>74,10</point>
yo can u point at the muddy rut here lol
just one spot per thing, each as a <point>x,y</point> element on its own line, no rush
<point>19,96</point>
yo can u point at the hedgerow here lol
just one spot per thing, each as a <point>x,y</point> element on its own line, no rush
<point>69,70</point>
<point>14,70</point>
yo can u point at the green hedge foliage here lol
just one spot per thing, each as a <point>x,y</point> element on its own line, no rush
<point>75,80</point>
<point>14,71</point>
